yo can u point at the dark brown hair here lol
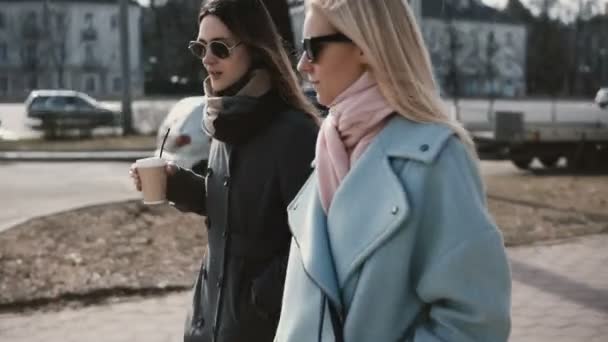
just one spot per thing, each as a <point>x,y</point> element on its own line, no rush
<point>251,23</point>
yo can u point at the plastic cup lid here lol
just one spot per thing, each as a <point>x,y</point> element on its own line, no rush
<point>150,162</point>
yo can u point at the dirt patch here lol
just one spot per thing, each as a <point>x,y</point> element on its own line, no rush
<point>565,192</point>
<point>122,246</point>
<point>530,208</point>
<point>130,249</point>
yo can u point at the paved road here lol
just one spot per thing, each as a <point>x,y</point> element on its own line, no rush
<point>560,294</point>
<point>33,189</point>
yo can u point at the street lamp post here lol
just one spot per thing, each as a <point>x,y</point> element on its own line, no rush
<point>127,125</point>
<point>604,66</point>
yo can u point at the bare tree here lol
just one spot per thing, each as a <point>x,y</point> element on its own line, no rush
<point>57,25</point>
<point>30,41</point>
<point>490,66</point>
<point>453,75</point>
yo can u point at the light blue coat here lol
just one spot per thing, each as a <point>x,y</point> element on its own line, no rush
<point>408,251</point>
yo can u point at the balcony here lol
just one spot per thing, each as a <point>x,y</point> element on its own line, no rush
<point>88,34</point>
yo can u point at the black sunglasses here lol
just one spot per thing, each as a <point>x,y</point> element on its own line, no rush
<point>312,46</point>
<point>218,48</point>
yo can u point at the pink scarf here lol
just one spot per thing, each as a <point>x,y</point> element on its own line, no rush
<point>355,117</point>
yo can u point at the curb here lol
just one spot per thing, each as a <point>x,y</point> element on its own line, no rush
<point>62,156</point>
<point>93,297</point>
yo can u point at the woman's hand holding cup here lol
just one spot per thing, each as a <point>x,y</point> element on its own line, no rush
<point>150,176</point>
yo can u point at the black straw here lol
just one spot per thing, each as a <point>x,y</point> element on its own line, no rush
<point>162,146</point>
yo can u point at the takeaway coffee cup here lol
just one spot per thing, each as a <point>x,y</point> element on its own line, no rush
<point>153,179</point>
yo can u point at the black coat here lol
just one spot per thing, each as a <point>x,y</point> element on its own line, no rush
<point>244,194</point>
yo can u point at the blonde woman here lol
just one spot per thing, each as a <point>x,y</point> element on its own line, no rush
<point>392,239</point>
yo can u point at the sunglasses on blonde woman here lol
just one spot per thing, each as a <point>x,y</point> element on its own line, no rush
<point>218,48</point>
<point>312,46</point>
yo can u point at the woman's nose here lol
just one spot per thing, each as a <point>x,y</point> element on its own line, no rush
<point>304,65</point>
<point>208,58</point>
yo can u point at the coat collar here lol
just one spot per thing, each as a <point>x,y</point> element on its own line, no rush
<point>368,207</point>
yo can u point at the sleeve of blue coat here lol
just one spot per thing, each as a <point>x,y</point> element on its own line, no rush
<point>464,276</point>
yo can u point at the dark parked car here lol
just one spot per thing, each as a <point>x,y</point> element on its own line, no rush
<point>54,111</point>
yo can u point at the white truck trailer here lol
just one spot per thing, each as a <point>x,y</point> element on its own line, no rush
<point>583,144</point>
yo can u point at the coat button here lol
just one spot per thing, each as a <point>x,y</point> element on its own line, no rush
<point>199,323</point>
<point>424,148</point>
<point>226,181</point>
<point>394,210</point>
<point>225,234</point>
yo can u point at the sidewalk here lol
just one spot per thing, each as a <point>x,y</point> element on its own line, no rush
<point>62,156</point>
<point>560,294</point>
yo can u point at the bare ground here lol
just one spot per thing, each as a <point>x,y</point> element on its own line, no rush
<point>95,253</point>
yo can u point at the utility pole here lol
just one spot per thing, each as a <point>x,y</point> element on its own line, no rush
<point>127,123</point>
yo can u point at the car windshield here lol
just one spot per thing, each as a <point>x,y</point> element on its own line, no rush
<point>91,101</point>
<point>38,102</point>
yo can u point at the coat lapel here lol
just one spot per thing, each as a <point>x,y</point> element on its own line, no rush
<point>308,225</point>
<point>367,208</point>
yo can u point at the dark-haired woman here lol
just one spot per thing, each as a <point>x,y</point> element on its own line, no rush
<point>264,132</point>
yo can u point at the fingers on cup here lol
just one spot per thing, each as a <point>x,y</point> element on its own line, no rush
<point>171,168</point>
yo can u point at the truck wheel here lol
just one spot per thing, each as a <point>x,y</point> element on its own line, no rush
<point>587,159</point>
<point>522,163</point>
<point>549,161</point>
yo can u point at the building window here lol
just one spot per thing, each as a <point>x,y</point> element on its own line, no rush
<point>61,21</point>
<point>31,82</point>
<point>3,85</point>
<point>29,55</point>
<point>113,21</point>
<point>32,18</point>
<point>89,33</point>
<point>117,84</point>
<point>90,85</point>
<point>2,21</point>
<point>88,19</point>
<point>3,52</point>
<point>88,53</point>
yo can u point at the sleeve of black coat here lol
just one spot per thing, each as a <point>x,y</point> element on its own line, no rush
<point>186,190</point>
<point>296,151</point>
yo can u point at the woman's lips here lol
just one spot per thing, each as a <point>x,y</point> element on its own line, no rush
<point>215,75</point>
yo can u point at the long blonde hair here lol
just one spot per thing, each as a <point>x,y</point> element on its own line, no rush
<point>387,33</point>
